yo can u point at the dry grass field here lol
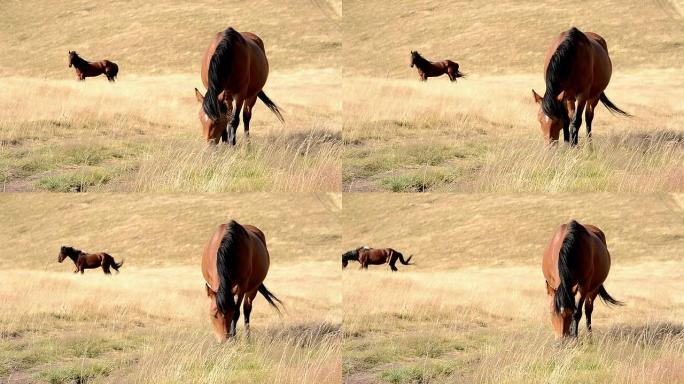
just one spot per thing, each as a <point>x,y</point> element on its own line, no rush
<point>150,322</point>
<point>481,134</point>
<point>473,308</point>
<point>142,133</point>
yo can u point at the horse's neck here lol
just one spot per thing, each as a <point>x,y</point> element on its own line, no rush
<point>74,256</point>
<point>80,63</point>
<point>422,63</point>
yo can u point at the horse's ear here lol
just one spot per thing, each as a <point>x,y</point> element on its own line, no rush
<point>199,96</point>
<point>537,98</point>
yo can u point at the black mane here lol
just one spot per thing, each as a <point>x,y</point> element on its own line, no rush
<point>71,252</point>
<point>419,60</point>
<point>219,68</point>
<point>567,260</point>
<point>225,260</point>
<point>77,61</point>
<point>351,255</point>
<point>559,69</point>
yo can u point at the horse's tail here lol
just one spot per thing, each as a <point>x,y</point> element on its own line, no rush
<point>271,298</point>
<point>460,74</point>
<point>611,107</point>
<point>116,265</point>
<point>224,264</point>
<point>608,299</point>
<point>567,260</point>
<point>401,259</point>
<point>271,105</point>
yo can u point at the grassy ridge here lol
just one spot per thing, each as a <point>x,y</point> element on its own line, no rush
<point>473,307</point>
<point>150,322</point>
<point>142,133</point>
<point>481,134</point>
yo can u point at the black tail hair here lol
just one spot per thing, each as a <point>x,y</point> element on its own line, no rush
<point>559,69</point>
<point>220,66</point>
<point>401,258</point>
<point>224,264</point>
<point>567,259</point>
<point>115,70</point>
<point>607,298</point>
<point>271,105</point>
<point>611,107</point>
<point>117,265</point>
<point>271,298</point>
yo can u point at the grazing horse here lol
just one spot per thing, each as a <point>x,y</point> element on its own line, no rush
<point>234,68</point>
<point>433,69</point>
<point>85,261</point>
<point>369,256</point>
<point>577,69</point>
<point>91,69</point>
<point>576,261</point>
<point>234,264</point>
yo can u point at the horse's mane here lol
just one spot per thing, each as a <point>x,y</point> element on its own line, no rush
<point>219,68</point>
<point>559,69</point>
<point>78,61</point>
<point>567,263</point>
<point>71,252</point>
<point>225,261</point>
<point>351,255</point>
<point>420,61</point>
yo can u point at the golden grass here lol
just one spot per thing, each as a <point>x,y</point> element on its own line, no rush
<point>150,322</point>
<point>142,133</point>
<point>473,307</point>
<point>481,134</point>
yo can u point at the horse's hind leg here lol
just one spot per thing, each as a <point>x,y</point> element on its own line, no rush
<point>247,114</point>
<point>247,308</point>
<point>589,115</point>
<point>589,308</point>
<point>393,262</point>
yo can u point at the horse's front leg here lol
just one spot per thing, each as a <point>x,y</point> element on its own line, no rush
<point>577,121</point>
<point>235,121</point>
<point>577,315</point>
<point>236,316</point>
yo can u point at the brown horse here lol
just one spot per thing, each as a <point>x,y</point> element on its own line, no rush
<point>85,261</point>
<point>433,69</point>
<point>234,68</point>
<point>234,264</point>
<point>87,69</point>
<point>370,256</point>
<point>577,69</point>
<point>576,261</point>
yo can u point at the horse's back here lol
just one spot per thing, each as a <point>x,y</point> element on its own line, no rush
<point>249,36</point>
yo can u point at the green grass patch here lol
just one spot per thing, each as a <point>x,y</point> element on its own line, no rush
<point>75,372</point>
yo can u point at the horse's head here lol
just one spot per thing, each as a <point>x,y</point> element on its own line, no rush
<point>561,319</point>
<point>414,56</point>
<point>212,127</point>
<point>551,126</point>
<point>218,319</point>
<point>72,56</point>
<point>64,252</point>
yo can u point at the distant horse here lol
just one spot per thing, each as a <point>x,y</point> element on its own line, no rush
<point>234,264</point>
<point>87,69</point>
<point>575,261</point>
<point>433,69</point>
<point>369,256</point>
<point>85,261</point>
<point>234,68</point>
<point>577,69</point>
